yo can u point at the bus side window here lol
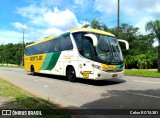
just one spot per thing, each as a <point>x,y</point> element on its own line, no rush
<point>29,50</point>
<point>37,49</point>
<point>32,50</point>
<point>26,51</point>
<point>65,43</point>
<point>78,39</point>
<point>54,45</point>
<point>45,47</point>
<point>40,48</point>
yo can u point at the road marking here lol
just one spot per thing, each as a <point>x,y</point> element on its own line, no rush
<point>146,82</point>
<point>152,96</point>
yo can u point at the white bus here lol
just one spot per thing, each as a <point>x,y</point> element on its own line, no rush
<point>79,53</point>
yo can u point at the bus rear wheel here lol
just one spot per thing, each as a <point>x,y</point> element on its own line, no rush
<point>32,70</point>
<point>71,75</point>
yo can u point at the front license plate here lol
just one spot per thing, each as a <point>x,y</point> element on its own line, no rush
<point>115,75</point>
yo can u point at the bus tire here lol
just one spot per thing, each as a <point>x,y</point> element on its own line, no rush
<point>71,75</point>
<point>32,70</point>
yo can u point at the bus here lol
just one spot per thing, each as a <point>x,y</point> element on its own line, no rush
<point>78,53</point>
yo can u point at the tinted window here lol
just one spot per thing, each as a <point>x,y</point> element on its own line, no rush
<point>45,47</point>
<point>86,49</point>
<point>65,43</point>
<point>27,51</point>
<point>54,45</point>
<point>38,49</point>
<point>84,44</point>
<point>78,38</point>
<point>31,50</point>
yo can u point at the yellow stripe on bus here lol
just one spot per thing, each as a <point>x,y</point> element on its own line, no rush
<point>108,67</point>
<point>40,41</point>
<point>92,30</point>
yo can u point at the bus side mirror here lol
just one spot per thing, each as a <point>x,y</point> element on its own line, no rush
<point>126,43</point>
<point>94,39</point>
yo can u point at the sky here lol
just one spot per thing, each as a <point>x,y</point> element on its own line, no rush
<point>42,18</point>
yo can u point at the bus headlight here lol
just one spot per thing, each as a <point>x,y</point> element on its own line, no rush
<point>98,67</point>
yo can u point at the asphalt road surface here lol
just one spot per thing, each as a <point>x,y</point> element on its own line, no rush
<point>125,93</point>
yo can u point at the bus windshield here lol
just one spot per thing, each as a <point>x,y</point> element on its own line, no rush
<point>108,49</point>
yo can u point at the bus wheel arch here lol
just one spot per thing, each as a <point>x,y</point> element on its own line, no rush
<point>32,70</point>
<point>71,73</point>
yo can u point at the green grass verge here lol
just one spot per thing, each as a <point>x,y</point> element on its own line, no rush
<point>28,101</point>
<point>142,73</point>
<point>11,66</point>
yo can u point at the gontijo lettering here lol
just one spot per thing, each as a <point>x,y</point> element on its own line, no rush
<point>33,58</point>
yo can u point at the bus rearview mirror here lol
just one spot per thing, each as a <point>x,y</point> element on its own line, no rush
<point>126,43</point>
<point>94,39</point>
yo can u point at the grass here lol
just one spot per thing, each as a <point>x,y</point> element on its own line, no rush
<point>142,73</point>
<point>28,101</point>
<point>10,66</point>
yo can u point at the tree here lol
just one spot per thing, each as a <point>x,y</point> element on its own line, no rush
<point>154,27</point>
<point>129,61</point>
<point>143,61</point>
<point>104,27</point>
<point>18,53</point>
<point>95,24</point>
<point>1,54</point>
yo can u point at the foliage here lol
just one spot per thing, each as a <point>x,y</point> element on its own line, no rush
<point>95,24</point>
<point>11,66</point>
<point>11,53</point>
<point>154,28</point>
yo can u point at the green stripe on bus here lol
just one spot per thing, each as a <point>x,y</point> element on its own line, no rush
<point>65,34</point>
<point>119,66</point>
<point>50,61</point>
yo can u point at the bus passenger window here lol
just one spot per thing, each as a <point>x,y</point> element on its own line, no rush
<point>65,43</point>
<point>27,51</point>
<point>54,45</point>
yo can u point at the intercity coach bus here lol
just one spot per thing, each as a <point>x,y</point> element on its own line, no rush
<point>79,53</point>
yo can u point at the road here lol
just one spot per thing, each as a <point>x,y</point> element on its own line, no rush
<point>126,93</point>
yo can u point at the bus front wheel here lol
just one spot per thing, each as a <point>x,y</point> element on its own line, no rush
<point>71,75</point>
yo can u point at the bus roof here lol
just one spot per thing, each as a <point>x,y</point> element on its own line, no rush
<point>92,30</point>
<point>72,30</point>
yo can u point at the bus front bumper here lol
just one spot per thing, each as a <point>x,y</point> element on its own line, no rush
<point>101,75</point>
